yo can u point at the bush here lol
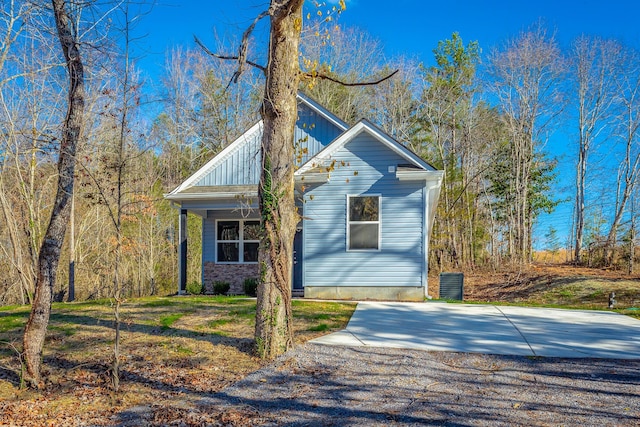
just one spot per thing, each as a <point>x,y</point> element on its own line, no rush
<point>251,286</point>
<point>194,288</point>
<point>221,288</point>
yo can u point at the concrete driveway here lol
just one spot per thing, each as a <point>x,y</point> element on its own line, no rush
<point>489,329</point>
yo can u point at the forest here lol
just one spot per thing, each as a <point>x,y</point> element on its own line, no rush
<point>484,114</point>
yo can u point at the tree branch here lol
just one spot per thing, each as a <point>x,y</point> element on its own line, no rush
<point>333,79</point>
<point>228,57</point>
<point>242,50</point>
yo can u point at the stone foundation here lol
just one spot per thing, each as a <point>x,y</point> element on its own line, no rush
<point>234,274</point>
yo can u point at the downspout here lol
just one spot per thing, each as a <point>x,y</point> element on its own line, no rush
<point>431,195</point>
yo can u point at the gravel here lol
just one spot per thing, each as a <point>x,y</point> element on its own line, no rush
<point>367,386</point>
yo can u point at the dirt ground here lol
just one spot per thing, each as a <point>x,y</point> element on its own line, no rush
<point>552,284</point>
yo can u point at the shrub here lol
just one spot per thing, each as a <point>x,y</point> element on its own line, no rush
<point>221,288</point>
<point>194,288</point>
<point>251,286</point>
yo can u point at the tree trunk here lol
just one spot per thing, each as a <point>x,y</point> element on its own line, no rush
<point>33,340</point>
<point>274,332</point>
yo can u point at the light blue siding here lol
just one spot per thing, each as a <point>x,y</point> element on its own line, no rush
<point>400,261</point>
<point>208,239</point>
<point>313,132</point>
<point>241,166</point>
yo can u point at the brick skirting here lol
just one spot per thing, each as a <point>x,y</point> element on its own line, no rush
<point>234,274</point>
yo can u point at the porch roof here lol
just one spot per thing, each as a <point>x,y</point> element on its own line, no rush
<point>213,192</point>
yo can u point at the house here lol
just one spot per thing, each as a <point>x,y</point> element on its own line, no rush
<point>367,205</point>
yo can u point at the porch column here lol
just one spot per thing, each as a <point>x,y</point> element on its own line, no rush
<point>182,253</point>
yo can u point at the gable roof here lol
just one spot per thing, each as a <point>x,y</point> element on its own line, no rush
<point>322,111</point>
<point>247,137</point>
<point>365,126</point>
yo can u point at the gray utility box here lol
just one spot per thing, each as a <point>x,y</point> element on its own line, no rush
<point>452,286</point>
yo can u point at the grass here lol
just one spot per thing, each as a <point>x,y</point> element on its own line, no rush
<point>9,321</point>
<point>167,321</point>
<point>319,328</point>
<point>218,322</point>
<point>173,348</point>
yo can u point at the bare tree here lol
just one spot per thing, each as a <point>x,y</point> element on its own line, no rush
<point>595,71</point>
<point>33,340</point>
<point>348,54</point>
<point>525,77</point>
<point>24,98</point>
<point>628,89</point>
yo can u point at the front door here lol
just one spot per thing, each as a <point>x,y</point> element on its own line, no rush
<point>297,260</point>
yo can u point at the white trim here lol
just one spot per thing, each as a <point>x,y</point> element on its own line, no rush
<point>313,178</point>
<point>418,175</point>
<point>240,241</point>
<point>379,222</point>
<point>426,232</point>
<point>209,196</point>
<point>364,126</point>
<point>218,158</point>
<point>433,187</point>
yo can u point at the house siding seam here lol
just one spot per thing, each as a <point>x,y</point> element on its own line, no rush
<point>400,261</point>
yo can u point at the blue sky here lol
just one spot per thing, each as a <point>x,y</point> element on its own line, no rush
<point>410,28</point>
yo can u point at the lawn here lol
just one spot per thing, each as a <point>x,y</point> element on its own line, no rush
<point>174,349</point>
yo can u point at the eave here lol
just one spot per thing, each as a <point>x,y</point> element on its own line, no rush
<point>418,175</point>
<point>213,193</point>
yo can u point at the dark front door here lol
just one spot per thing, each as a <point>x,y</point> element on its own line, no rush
<point>297,260</point>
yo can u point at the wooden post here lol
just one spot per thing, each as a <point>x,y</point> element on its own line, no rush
<point>182,253</point>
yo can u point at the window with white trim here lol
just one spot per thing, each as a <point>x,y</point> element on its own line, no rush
<point>237,241</point>
<point>363,223</point>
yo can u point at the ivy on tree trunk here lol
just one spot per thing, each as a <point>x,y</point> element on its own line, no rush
<point>274,332</point>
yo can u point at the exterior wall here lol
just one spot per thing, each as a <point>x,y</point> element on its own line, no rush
<point>400,263</point>
<point>242,165</point>
<point>312,132</point>
<point>234,274</point>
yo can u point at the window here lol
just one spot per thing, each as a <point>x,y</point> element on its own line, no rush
<point>363,222</point>
<point>237,241</point>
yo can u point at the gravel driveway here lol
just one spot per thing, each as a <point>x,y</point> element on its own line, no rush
<point>364,386</point>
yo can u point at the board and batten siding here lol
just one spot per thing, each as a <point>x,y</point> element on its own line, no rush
<point>241,166</point>
<point>400,260</point>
